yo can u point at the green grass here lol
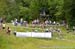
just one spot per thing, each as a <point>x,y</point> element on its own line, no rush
<point>12,42</point>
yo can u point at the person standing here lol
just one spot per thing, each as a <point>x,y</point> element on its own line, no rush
<point>3,25</point>
<point>16,22</point>
<point>25,23</point>
<point>21,21</point>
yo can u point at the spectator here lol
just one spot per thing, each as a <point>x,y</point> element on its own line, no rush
<point>37,21</point>
<point>46,30</point>
<point>1,20</point>
<point>12,22</point>
<point>8,30</point>
<point>59,33</point>
<point>46,22</point>
<point>21,21</point>
<point>3,25</point>
<point>73,28</point>
<point>50,22</point>
<point>63,23</point>
<point>58,23</point>
<point>16,22</point>
<point>54,23</point>
<point>25,23</point>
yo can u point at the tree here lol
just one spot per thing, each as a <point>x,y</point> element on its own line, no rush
<point>72,19</point>
<point>3,7</point>
<point>67,11</point>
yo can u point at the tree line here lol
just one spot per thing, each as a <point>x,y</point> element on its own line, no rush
<point>55,10</point>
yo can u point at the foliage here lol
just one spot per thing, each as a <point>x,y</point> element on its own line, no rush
<point>57,10</point>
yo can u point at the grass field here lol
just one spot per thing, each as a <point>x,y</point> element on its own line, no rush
<point>12,42</point>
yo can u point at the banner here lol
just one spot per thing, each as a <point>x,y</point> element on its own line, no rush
<point>34,34</point>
